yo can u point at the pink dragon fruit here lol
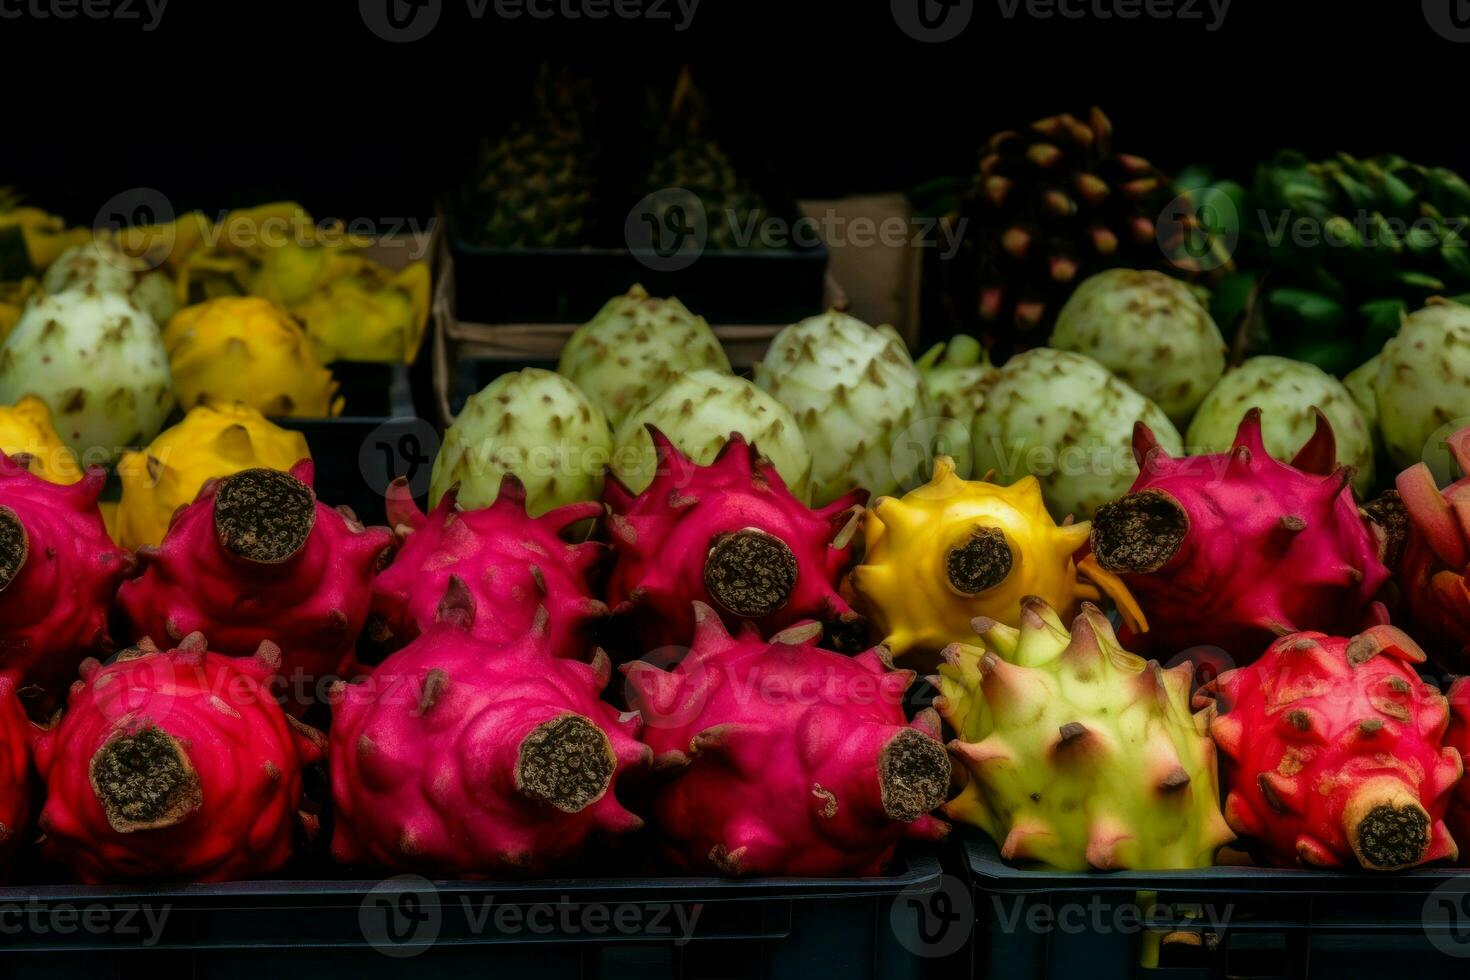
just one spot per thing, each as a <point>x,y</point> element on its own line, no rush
<point>175,766</point>
<point>1235,549</point>
<point>59,572</point>
<point>512,563</point>
<point>732,536</point>
<point>15,769</point>
<point>257,557</point>
<point>784,758</point>
<point>469,760</point>
<point>1334,752</point>
<point>1457,818</point>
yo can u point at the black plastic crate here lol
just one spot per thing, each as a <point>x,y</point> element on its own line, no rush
<point>652,928</point>
<point>357,458</point>
<point>1214,922</point>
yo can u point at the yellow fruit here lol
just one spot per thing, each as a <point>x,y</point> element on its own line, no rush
<point>242,348</point>
<point>953,550</point>
<point>25,429</point>
<point>216,439</point>
<point>370,315</point>
<point>46,235</point>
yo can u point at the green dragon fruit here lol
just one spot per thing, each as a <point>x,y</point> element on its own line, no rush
<point>859,400</point>
<point>1362,383</point>
<point>1150,330</point>
<point>1077,753</point>
<point>102,264</point>
<point>1423,381</point>
<point>698,411</point>
<point>1289,394</point>
<point>957,373</point>
<point>534,424</point>
<point>633,347</point>
<point>97,360</point>
<point>1068,421</point>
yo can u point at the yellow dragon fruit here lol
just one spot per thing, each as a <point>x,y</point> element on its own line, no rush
<point>954,549</point>
<point>242,348</point>
<point>1077,754</point>
<point>25,429</point>
<point>216,439</point>
<point>370,314</point>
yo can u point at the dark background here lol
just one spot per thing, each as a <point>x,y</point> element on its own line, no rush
<point>230,103</point>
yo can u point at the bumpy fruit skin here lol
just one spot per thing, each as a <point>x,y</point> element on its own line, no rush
<point>1289,394</point>
<point>257,557</point>
<point>243,348</point>
<point>214,440</point>
<point>1423,379</point>
<point>177,766</point>
<point>26,430</point>
<point>1149,329</point>
<point>956,374</point>
<point>698,411</point>
<point>1333,753</point>
<point>534,424</point>
<point>1362,383</point>
<point>366,312</point>
<point>466,760</point>
<point>731,535</point>
<point>854,392</point>
<point>781,758</point>
<point>512,563</point>
<point>100,263</point>
<point>15,769</point>
<point>98,363</point>
<point>1237,549</point>
<point>955,549</point>
<point>59,572</point>
<point>1065,419</point>
<point>633,348</point>
<point>1457,735</point>
<point>1078,753</point>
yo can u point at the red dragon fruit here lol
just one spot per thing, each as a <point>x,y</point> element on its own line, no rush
<point>732,536</point>
<point>15,769</point>
<point>780,757</point>
<point>512,564</point>
<point>1457,818</point>
<point>59,572</point>
<point>177,766</point>
<point>257,557</point>
<point>1237,549</point>
<point>1333,752</point>
<point>463,759</point>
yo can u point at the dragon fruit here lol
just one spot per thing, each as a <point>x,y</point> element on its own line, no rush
<point>15,769</point>
<point>779,757</point>
<point>1457,735</point>
<point>468,760</point>
<point>1333,752</point>
<point>175,765</point>
<point>58,574</point>
<point>26,430</point>
<point>258,557</point>
<point>954,549</point>
<point>731,535</point>
<point>1238,548</point>
<point>1078,754</point>
<point>511,562</point>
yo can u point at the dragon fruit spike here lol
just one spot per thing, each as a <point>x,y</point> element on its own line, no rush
<point>460,758</point>
<point>1334,752</point>
<point>1237,548</point>
<point>779,757</point>
<point>257,557</point>
<point>731,535</point>
<point>175,765</point>
<point>515,564</point>
<point>59,572</point>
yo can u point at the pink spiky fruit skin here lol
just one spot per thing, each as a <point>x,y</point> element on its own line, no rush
<point>312,602</point>
<point>15,769</point>
<point>780,758</point>
<point>1334,753</point>
<point>59,572</point>
<point>732,536</point>
<point>1236,549</point>
<point>461,759</point>
<point>1457,818</point>
<point>176,766</point>
<point>512,564</point>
